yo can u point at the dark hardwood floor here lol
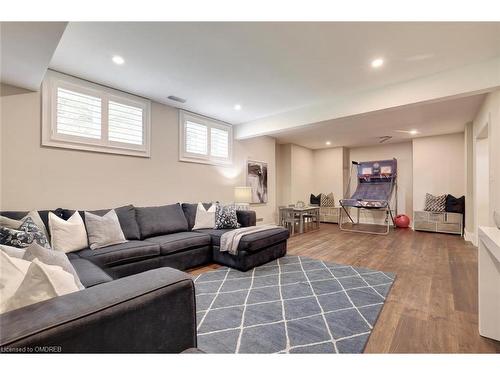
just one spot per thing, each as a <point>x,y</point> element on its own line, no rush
<point>432,307</point>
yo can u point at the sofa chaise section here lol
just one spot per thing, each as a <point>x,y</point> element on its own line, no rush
<point>254,249</point>
<point>151,312</point>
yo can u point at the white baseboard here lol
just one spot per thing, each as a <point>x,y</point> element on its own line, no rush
<point>471,237</point>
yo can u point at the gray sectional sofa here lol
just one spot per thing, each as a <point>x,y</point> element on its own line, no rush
<point>136,297</point>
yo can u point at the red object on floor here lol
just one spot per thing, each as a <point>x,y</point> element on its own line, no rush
<point>402,221</point>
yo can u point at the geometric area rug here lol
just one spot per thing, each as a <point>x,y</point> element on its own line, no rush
<point>291,305</point>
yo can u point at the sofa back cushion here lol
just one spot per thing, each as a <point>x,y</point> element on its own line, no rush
<point>190,212</point>
<point>126,217</point>
<point>154,221</point>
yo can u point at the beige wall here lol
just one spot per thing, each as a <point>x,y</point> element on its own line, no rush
<point>295,174</point>
<point>302,174</point>
<point>488,115</point>
<point>403,153</point>
<point>283,175</point>
<point>438,167</point>
<point>329,172</point>
<point>35,177</point>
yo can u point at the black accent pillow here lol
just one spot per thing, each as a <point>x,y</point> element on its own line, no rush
<point>27,233</point>
<point>226,217</point>
<point>455,204</point>
<point>315,199</point>
<point>154,221</point>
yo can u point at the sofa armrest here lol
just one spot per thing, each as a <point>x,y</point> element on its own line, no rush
<point>151,312</point>
<point>246,218</point>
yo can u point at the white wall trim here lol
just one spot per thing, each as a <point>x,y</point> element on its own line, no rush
<point>470,237</point>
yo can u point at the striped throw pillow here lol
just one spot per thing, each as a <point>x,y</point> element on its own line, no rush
<point>327,200</point>
<point>435,203</point>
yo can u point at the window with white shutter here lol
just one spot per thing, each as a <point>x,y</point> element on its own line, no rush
<point>78,114</point>
<point>125,123</point>
<point>219,144</point>
<point>81,115</point>
<point>196,138</point>
<point>204,140</point>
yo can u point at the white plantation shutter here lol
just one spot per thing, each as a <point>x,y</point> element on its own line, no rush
<point>204,140</point>
<point>125,123</point>
<point>196,138</point>
<point>78,114</point>
<point>81,115</point>
<point>219,143</point>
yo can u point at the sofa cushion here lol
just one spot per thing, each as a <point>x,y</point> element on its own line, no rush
<point>189,210</point>
<point>172,243</point>
<point>89,273</point>
<point>128,252</point>
<point>251,242</point>
<point>154,221</point>
<point>126,217</point>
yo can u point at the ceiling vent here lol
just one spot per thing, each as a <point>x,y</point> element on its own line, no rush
<point>384,138</point>
<point>176,99</point>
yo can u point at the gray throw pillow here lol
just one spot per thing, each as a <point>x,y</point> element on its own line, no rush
<point>126,216</point>
<point>154,221</point>
<point>104,230</point>
<point>52,258</point>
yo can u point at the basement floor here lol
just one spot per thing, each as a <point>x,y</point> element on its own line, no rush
<point>432,307</point>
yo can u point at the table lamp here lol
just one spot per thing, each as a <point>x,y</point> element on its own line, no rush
<point>242,197</point>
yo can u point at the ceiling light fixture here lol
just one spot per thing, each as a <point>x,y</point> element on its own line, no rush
<point>237,107</point>
<point>413,132</point>
<point>118,60</point>
<point>328,143</point>
<point>377,63</point>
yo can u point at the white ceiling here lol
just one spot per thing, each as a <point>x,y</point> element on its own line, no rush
<point>443,117</point>
<point>268,68</point>
<point>25,51</point>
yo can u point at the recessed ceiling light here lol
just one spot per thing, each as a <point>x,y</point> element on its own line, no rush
<point>377,63</point>
<point>118,60</point>
<point>328,143</point>
<point>413,132</point>
<point>237,107</point>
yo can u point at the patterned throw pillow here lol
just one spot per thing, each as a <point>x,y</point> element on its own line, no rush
<point>435,203</point>
<point>225,217</point>
<point>327,200</point>
<point>27,233</point>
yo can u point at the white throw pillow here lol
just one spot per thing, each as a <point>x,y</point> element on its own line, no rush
<point>16,252</point>
<point>205,219</point>
<point>104,230</point>
<point>68,235</point>
<point>12,273</point>
<point>40,283</point>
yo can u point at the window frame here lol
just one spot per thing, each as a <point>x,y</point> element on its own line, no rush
<point>184,117</point>
<point>50,137</point>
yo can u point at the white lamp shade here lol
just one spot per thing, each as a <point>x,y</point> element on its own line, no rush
<point>242,194</point>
